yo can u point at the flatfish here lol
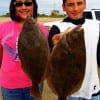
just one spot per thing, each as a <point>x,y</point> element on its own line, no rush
<point>67,64</point>
<point>33,51</point>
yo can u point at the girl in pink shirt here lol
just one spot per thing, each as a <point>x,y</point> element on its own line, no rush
<point>15,84</point>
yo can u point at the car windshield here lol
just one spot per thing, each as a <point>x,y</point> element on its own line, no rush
<point>97,13</point>
<point>88,15</point>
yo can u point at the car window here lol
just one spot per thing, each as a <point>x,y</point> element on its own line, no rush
<point>88,15</point>
<point>97,13</point>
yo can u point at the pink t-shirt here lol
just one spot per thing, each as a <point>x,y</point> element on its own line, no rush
<point>12,75</point>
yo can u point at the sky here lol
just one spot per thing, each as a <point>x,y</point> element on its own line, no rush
<point>45,6</point>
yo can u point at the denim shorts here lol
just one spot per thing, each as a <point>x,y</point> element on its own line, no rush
<point>76,98</point>
<point>18,94</point>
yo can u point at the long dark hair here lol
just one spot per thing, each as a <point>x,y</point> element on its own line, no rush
<point>13,11</point>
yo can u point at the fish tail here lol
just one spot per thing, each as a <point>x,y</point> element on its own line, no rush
<point>61,97</point>
<point>36,93</point>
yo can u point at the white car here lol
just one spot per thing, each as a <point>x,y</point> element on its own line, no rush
<point>92,14</point>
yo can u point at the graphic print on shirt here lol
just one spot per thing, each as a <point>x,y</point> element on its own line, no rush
<point>10,47</point>
<point>16,52</point>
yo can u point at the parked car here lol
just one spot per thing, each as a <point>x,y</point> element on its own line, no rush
<point>92,14</point>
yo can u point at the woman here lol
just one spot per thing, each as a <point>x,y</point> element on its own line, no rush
<point>15,84</point>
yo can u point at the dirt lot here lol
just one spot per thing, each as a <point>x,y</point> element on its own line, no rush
<point>41,19</point>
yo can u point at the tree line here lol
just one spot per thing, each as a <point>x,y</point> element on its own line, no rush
<point>40,15</point>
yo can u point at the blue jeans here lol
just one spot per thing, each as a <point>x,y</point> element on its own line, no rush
<point>76,98</point>
<point>18,94</point>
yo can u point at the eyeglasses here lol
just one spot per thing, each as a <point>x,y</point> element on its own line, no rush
<point>19,4</point>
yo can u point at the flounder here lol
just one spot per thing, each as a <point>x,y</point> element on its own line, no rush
<point>67,64</point>
<point>33,51</point>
